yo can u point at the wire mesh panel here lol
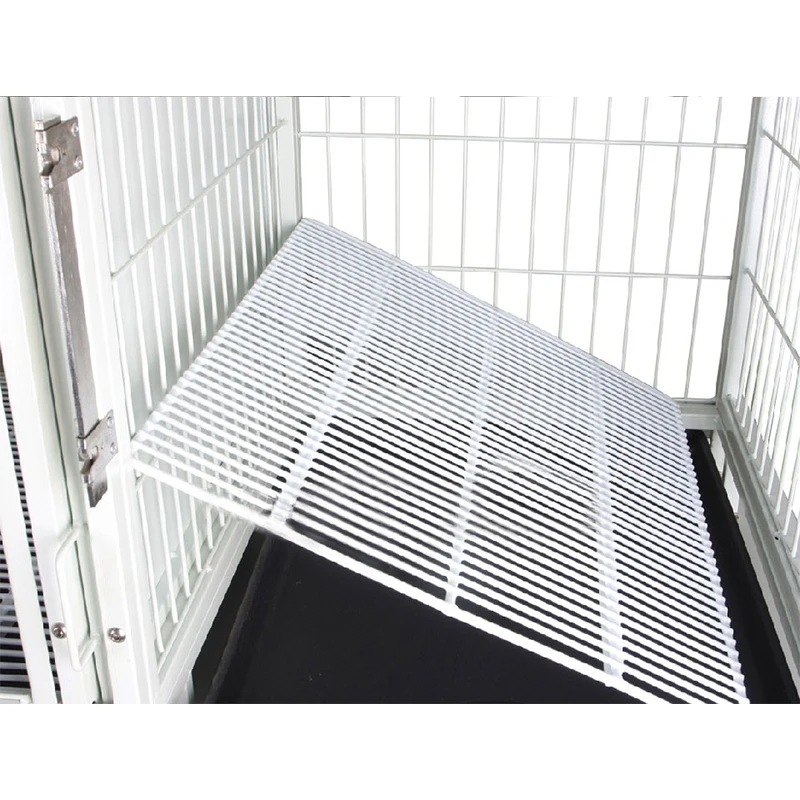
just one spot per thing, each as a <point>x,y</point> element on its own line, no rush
<point>766,398</point>
<point>375,414</point>
<point>191,207</point>
<point>607,221</point>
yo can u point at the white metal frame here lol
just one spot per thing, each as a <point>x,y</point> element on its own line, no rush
<point>28,374</point>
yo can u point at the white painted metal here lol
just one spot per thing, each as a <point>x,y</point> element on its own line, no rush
<point>180,206</point>
<point>371,412</point>
<point>609,222</point>
<point>760,392</point>
<point>30,392</point>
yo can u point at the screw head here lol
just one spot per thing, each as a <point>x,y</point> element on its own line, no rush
<point>78,162</point>
<point>117,635</point>
<point>74,129</point>
<point>59,630</point>
<point>113,448</point>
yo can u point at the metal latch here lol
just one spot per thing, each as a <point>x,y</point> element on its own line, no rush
<point>96,450</point>
<point>58,145</point>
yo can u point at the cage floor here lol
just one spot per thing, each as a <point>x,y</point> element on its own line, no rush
<point>375,415</point>
<point>294,628</point>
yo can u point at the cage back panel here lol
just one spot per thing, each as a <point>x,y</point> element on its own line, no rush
<point>609,221</point>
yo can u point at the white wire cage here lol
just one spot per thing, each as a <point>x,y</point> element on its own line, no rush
<point>614,224</point>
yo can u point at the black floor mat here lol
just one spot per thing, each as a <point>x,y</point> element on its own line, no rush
<point>310,631</point>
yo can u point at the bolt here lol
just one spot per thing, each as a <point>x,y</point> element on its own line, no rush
<point>110,422</point>
<point>74,129</point>
<point>59,630</point>
<point>78,162</point>
<point>117,635</point>
<point>113,448</point>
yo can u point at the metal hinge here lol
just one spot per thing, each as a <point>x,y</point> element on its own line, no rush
<point>58,145</point>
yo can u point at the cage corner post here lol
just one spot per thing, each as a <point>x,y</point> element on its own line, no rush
<point>763,486</point>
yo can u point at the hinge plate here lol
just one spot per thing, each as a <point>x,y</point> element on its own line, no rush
<point>96,450</point>
<point>59,147</point>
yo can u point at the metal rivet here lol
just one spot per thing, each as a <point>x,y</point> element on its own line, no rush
<point>59,630</point>
<point>117,635</point>
<point>110,421</point>
<point>78,162</point>
<point>74,128</point>
<point>113,448</point>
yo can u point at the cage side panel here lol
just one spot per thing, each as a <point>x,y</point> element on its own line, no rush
<point>761,388</point>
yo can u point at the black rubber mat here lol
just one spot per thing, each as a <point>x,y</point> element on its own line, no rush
<point>308,631</point>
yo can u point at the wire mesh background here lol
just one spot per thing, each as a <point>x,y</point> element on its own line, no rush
<point>768,397</point>
<point>189,200</point>
<point>609,222</point>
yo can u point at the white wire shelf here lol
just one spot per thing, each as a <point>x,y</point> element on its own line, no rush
<point>373,413</point>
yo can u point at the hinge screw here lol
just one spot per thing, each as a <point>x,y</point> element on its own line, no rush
<point>59,630</point>
<point>74,128</point>
<point>117,635</point>
<point>78,162</point>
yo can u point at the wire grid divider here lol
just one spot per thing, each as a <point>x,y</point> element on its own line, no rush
<point>644,245</point>
<point>374,414</point>
<point>767,403</point>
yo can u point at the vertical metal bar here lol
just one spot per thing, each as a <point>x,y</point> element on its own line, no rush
<point>173,315</point>
<point>397,177</point>
<point>669,243</point>
<point>706,220</point>
<point>464,174</point>
<point>532,237</point>
<point>775,411</point>
<point>735,324</point>
<point>328,157</point>
<point>431,112</point>
<point>150,568</point>
<point>167,552</point>
<point>763,319</point>
<point>181,242</point>
<point>181,530</point>
<point>600,224</point>
<point>496,276</point>
<point>363,120</point>
<point>635,236</point>
<point>754,311</point>
<point>567,213</point>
